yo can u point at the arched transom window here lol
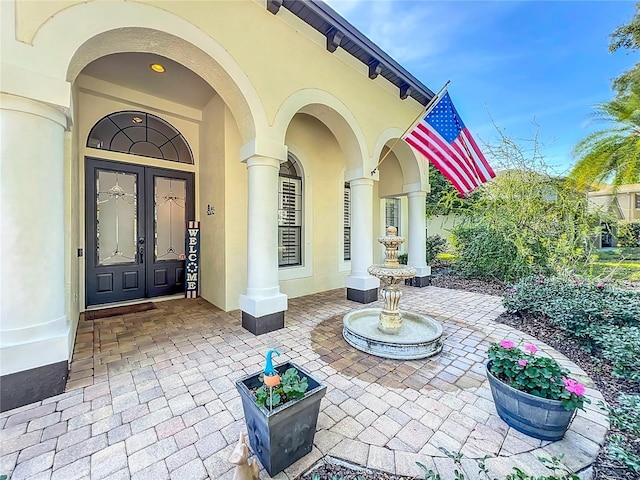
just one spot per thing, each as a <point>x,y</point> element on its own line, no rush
<point>290,214</point>
<point>140,133</point>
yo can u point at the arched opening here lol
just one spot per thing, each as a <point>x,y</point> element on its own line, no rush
<point>140,133</point>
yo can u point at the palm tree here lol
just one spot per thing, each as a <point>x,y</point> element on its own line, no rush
<point>613,153</point>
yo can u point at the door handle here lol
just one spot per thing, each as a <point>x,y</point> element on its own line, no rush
<point>141,249</point>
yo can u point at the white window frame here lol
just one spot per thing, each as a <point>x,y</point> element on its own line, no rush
<point>343,265</point>
<point>403,222</point>
<point>398,204</point>
<point>306,269</point>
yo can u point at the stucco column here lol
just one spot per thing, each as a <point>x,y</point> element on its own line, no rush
<point>34,330</point>
<point>418,238</point>
<point>362,287</point>
<point>263,305</point>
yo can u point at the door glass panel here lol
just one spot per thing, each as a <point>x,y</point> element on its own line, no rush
<point>170,221</point>
<point>116,217</point>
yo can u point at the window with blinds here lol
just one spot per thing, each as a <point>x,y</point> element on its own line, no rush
<point>347,221</point>
<point>392,213</point>
<point>289,214</point>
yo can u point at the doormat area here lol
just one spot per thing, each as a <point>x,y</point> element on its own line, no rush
<point>115,311</point>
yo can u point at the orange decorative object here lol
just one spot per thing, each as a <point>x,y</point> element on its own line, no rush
<point>272,380</point>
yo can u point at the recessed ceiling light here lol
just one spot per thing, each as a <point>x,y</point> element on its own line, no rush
<point>137,120</point>
<point>156,67</point>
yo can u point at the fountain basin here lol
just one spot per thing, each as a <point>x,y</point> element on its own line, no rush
<point>419,337</point>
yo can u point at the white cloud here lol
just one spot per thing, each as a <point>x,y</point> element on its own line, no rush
<point>407,31</point>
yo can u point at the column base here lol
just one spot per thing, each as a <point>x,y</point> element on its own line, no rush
<point>29,386</point>
<point>362,296</point>
<point>418,281</point>
<point>265,324</point>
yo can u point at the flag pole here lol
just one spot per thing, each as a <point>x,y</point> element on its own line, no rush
<point>431,103</point>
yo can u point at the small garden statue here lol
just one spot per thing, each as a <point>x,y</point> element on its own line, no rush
<point>244,470</point>
<point>271,377</point>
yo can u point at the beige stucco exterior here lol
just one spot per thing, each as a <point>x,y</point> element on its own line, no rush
<point>275,88</point>
<point>623,204</point>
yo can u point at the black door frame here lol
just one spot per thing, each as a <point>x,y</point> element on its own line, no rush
<point>164,277</point>
<point>145,277</point>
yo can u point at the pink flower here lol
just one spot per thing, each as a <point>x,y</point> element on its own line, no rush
<point>600,286</point>
<point>522,363</point>
<point>507,344</point>
<point>576,283</point>
<point>573,386</point>
<point>531,348</point>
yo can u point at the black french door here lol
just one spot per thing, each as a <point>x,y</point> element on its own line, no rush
<point>135,230</point>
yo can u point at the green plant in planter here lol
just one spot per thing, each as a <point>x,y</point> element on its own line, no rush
<point>539,376</point>
<point>291,387</point>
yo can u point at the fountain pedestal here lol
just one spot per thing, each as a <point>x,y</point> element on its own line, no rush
<point>389,332</point>
<point>391,277</point>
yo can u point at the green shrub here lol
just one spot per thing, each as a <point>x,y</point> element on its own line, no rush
<point>575,306</point>
<point>435,245</point>
<point>605,316</point>
<point>621,346</point>
<point>626,418</point>
<point>527,219</point>
<point>629,234</point>
<point>483,252</point>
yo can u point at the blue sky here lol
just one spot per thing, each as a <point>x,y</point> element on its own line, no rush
<point>514,61</point>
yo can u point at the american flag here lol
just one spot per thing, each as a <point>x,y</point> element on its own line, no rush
<point>445,141</point>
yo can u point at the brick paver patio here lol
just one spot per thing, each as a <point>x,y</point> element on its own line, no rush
<point>151,395</point>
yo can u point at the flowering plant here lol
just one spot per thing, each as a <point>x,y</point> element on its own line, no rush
<point>539,376</point>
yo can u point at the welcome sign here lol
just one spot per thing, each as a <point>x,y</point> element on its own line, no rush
<point>192,260</point>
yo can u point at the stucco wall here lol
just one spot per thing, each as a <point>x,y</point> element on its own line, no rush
<point>212,227</point>
<point>273,68</point>
<point>73,300</point>
<point>322,162</point>
<point>442,225</point>
<point>624,205</point>
<point>92,106</point>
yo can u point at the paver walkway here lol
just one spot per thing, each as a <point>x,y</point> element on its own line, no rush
<point>151,395</point>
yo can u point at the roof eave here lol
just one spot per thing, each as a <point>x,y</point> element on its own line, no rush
<point>340,33</point>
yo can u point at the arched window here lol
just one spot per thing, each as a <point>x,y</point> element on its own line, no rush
<point>290,214</point>
<point>142,134</point>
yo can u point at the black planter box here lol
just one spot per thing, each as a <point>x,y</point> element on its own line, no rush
<point>285,434</point>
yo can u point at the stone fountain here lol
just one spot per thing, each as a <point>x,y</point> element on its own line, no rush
<point>389,332</point>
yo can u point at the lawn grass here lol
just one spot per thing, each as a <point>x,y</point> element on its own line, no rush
<point>620,253</point>
<point>617,264</point>
<point>621,263</point>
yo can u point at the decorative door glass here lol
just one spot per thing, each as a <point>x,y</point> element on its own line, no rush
<point>116,217</point>
<point>170,220</point>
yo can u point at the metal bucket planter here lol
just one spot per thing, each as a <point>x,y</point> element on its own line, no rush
<point>537,417</point>
<point>285,434</point>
